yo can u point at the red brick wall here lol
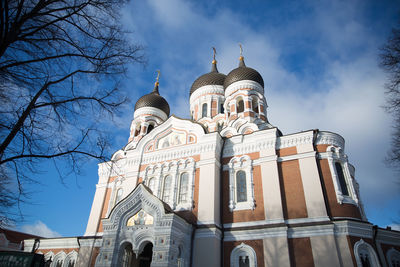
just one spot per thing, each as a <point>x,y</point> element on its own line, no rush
<point>300,252</point>
<point>293,200</point>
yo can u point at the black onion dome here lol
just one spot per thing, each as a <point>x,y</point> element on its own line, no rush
<point>153,100</point>
<point>211,78</point>
<point>243,73</point>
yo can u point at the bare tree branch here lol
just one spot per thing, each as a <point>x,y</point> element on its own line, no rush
<point>390,62</point>
<point>60,67</point>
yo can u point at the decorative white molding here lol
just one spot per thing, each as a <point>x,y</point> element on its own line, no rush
<point>329,138</point>
<point>150,111</point>
<point>255,234</point>
<point>175,169</point>
<point>295,139</point>
<point>245,164</point>
<point>308,231</point>
<point>253,223</point>
<point>208,233</point>
<point>206,90</point>
<point>393,257</point>
<point>242,252</point>
<point>335,155</point>
<point>307,220</point>
<point>54,243</point>
<point>245,84</point>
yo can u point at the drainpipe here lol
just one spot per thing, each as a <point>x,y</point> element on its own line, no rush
<point>374,234</point>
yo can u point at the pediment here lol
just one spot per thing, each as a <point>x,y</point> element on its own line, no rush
<point>140,207</point>
<point>174,132</point>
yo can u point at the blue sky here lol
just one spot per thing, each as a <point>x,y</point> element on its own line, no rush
<point>319,61</point>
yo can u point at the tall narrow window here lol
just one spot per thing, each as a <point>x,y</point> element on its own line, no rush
<point>137,130</point>
<point>342,180</point>
<point>167,189</point>
<point>204,110</point>
<point>221,109</point>
<point>150,128</point>
<point>254,104</point>
<point>183,188</point>
<point>241,189</point>
<point>365,260</point>
<point>118,197</point>
<point>244,261</point>
<point>240,106</point>
<point>152,184</point>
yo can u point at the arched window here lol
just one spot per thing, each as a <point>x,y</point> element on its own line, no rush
<point>342,180</point>
<point>59,263</point>
<point>183,188</point>
<point>71,263</point>
<point>241,189</point>
<point>365,255</point>
<point>152,184</point>
<point>254,104</point>
<point>204,110</point>
<point>166,196</point>
<point>240,105</point>
<point>137,130</point>
<point>220,125</point>
<point>180,257</point>
<point>126,257</point>
<point>393,258</point>
<point>243,256</point>
<point>118,196</point>
<point>70,260</point>
<point>150,128</point>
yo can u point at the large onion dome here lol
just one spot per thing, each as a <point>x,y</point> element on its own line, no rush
<point>243,73</point>
<point>153,100</point>
<point>211,78</point>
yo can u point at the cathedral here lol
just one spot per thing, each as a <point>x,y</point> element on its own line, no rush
<point>224,188</point>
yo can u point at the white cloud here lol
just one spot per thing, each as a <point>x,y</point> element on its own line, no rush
<point>395,227</point>
<point>40,229</point>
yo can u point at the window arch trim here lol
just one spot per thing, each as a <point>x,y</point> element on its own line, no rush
<point>241,251</point>
<point>362,246</point>
<point>237,164</point>
<point>392,255</point>
<point>336,155</point>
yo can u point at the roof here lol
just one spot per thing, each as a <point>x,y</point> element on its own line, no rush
<point>211,78</point>
<point>153,100</point>
<point>243,73</point>
<point>15,236</point>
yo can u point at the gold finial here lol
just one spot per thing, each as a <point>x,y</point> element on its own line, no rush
<point>241,51</point>
<point>158,77</point>
<point>214,53</point>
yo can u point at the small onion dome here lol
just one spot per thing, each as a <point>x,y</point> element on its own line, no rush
<point>243,73</point>
<point>153,100</point>
<point>211,78</point>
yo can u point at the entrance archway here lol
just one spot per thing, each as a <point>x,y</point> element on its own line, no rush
<point>144,259</point>
<point>129,259</point>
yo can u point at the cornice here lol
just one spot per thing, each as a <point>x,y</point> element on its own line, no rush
<point>150,111</point>
<point>245,84</point>
<point>329,138</point>
<point>207,89</point>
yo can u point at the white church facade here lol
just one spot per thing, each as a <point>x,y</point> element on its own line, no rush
<point>224,188</point>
